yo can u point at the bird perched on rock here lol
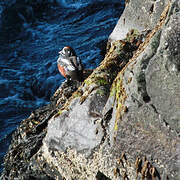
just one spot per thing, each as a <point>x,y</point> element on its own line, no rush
<point>69,64</point>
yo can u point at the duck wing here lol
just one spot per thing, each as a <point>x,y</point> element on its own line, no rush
<point>76,62</point>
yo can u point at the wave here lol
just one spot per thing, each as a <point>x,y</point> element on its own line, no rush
<point>72,3</point>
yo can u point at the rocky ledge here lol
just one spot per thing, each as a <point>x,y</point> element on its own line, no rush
<point>122,122</point>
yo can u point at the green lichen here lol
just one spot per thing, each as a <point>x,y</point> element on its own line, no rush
<point>115,88</point>
<point>102,81</point>
<point>99,80</point>
<point>76,94</point>
<point>100,92</point>
<point>133,34</point>
<point>118,91</point>
<point>119,47</point>
<point>155,41</point>
<point>59,113</point>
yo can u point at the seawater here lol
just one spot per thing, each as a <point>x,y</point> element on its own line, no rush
<point>28,69</point>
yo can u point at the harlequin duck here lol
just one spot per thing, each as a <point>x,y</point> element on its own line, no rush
<point>69,64</point>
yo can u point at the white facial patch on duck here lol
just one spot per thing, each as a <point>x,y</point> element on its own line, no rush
<point>66,51</point>
<point>63,51</point>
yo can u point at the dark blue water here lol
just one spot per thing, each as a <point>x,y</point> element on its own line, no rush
<point>28,70</point>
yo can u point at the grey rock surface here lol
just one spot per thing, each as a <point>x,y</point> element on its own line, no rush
<point>150,124</point>
<point>140,14</point>
<point>163,74</point>
<point>79,128</point>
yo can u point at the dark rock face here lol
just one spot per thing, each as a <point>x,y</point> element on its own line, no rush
<point>163,77</point>
<point>147,121</point>
<point>25,144</point>
<point>122,122</point>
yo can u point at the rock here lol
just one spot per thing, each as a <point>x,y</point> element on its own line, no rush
<point>122,122</point>
<point>163,77</point>
<point>142,15</point>
<point>146,111</point>
<point>73,128</point>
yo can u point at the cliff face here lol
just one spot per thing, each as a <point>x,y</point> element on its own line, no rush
<point>122,122</point>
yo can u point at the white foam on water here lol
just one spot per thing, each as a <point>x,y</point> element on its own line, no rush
<point>73,3</point>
